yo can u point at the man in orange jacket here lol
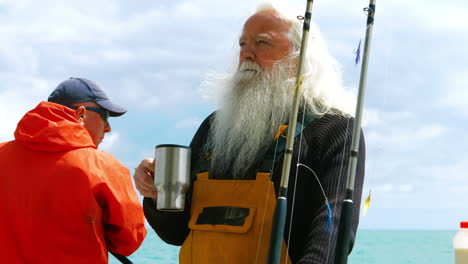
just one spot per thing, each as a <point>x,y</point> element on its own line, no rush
<point>62,200</point>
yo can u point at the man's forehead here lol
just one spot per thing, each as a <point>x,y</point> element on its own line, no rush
<point>265,22</point>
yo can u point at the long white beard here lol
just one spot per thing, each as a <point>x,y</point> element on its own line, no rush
<point>254,106</point>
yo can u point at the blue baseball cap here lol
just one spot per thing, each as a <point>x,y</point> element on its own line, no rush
<point>77,90</point>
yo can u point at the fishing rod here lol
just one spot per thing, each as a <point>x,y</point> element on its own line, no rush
<point>344,228</point>
<point>279,217</point>
<point>121,258</point>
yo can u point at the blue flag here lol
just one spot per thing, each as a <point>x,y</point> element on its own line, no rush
<point>358,53</point>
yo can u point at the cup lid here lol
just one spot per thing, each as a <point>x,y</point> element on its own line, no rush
<point>172,146</point>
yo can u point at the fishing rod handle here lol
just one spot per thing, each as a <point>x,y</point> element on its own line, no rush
<point>277,231</point>
<point>343,243</point>
<point>121,258</point>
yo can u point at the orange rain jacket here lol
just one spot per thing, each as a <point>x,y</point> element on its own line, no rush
<point>61,199</point>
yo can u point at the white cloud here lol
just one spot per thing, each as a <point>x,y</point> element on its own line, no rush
<point>18,58</point>
<point>392,188</point>
<point>405,188</point>
<point>117,55</point>
<point>146,154</point>
<point>189,123</point>
<point>429,15</point>
<point>52,21</point>
<point>140,96</point>
<point>461,189</point>
<point>9,122</point>
<point>450,16</point>
<point>371,117</point>
<point>20,93</point>
<point>459,203</point>
<point>455,172</point>
<point>384,188</point>
<point>400,131</point>
<point>110,141</point>
<point>189,10</point>
<point>214,9</point>
<point>456,95</point>
<point>406,138</point>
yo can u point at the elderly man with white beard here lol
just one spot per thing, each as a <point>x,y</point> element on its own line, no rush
<point>237,156</point>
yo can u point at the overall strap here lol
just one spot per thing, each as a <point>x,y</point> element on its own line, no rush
<point>276,150</point>
<point>204,163</point>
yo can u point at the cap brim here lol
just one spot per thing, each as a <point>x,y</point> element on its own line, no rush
<point>114,110</point>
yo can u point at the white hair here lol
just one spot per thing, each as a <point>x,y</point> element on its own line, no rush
<point>322,88</point>
<point>253,103</point>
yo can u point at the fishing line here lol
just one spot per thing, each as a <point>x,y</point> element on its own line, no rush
<point>316,177</point>
<point>346,147</point>
<point>378,156</point>
<point>335,208</point>
<point>346,150</point>
<point>345,225</point>
<point>266,203</point>
<point>295,180</point>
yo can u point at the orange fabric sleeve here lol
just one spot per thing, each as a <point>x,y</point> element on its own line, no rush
<point>123,217</point>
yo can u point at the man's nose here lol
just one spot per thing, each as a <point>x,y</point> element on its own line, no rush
<point>247,53</point>
<point>107,127</point>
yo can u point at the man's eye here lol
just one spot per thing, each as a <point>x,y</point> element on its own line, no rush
<point>241,44</point>
<point>262,42</point>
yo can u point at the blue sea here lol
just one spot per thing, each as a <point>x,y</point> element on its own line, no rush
<point>372,247</point>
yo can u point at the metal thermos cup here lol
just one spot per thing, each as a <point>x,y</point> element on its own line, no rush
<point>171,176</point>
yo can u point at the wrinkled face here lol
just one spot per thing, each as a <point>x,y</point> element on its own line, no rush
<point>93,122</point>
<point>264,40</point>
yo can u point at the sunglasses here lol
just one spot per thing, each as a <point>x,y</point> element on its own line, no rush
<point>103,112</point>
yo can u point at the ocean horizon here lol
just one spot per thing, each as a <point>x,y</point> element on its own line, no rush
<point>371,247</point>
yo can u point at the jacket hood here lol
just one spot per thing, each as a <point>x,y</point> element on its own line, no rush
<point>52,127</point>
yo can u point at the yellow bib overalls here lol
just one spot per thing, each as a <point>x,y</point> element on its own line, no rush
<point>243,243</point>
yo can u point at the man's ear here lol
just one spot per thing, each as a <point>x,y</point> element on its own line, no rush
<point>80,114</point>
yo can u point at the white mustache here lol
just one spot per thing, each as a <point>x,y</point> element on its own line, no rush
<point>249,66</point>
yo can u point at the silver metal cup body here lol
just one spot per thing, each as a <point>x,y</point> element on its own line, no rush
<point>172,176</point>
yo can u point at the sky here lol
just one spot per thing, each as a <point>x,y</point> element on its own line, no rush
<point>152,57</point>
